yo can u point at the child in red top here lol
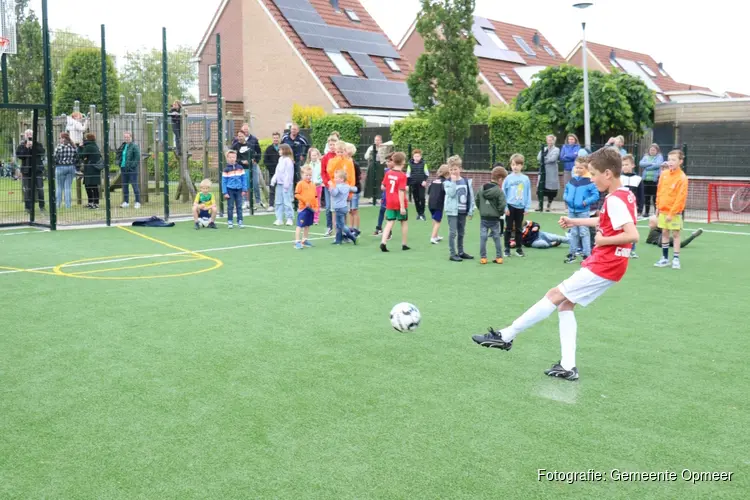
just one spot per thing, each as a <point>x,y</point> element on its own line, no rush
<point>606,266</point>
<point>394,185</point>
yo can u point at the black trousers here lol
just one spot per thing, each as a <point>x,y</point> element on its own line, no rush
<point>649,198</point>
<point>417,193</point>
<point>26,187</point>
<point>92,192</point>
<point>513,223</point>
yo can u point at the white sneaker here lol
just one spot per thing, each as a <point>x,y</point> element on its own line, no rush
<point>240,225</point>
<point>278,223</point>
<point>440,238</point>
<point>675,263</point>
<point>230,224</point>
<point>662,263</point>
<point>125,204</point>
<point>137,205</point>
<point>289,222</point>
<point>434,241</point>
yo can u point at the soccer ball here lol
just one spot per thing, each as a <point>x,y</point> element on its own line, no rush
<point>405,317</point>
<point>204,222</point>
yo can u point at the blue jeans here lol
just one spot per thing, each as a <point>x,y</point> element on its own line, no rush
<point>283,203</point>
<point>341,230</point>
<point>234,200</point>
<point>63,181</point>
<point>256,183</point>
<point>130,178</point>
<point>580,236</point>
<point>545,240</point>
<point>381,215</point>
<point>329,210</point>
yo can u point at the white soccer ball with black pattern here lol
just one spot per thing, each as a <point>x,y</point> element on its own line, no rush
<point>204,221</point>
<point>405,317</point>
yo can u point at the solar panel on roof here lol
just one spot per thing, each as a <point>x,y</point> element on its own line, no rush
<point>368,66</point>
<point>487,48</point>
<point>374,94</point>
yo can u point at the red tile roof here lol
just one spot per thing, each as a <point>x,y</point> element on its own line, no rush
<point>736,95</point>
<point>665,83</point>
<point>317,59</point>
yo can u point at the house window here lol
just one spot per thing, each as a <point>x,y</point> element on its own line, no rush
<point>338,59</point>
<point>661,98</point>
<point>392,64</point>
<point>663,73</point>
<point>505,78</point>
<point>352,15</point>
<point>213,80</point>
<point>647,69</point>
<point>495,39</point>
<point>525,46</point>
<point>614,63</point>
<point>549,51</point>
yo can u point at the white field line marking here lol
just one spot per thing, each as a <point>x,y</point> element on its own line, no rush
<point>151,256</point>
<point>273,229</point>
<point>707,231</point>
<point>26,232</point>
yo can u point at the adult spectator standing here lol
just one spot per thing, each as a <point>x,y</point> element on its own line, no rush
<point>66,159</point>
<point>128,158</point>
<point>374,149</point>
<point>253,146</point>
<point>29,154</point>
<point>175,114</point>
<point>548,161</point>
<point>75,127</point>
<point>92,170</point>
<point>271,159</point>
<point>299,145</point>
<point>568,155</point>
<point>651,165</point>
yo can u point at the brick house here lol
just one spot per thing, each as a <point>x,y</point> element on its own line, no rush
<point>605,58</point>
<point>508,55</point>
<point>327,53</point>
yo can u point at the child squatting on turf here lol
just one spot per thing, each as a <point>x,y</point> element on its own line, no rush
<point>233,187</point>
<point>306,194</point>
<point>204,206</point>
<point>671,197</point>
<point>606,266</point>
<point>394,185</point>
<point>459,205</point>
<point>340,200</point>
<point>490,201</point>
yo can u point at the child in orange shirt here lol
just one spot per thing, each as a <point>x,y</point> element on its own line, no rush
<point>342,161</point>
<point>671,197</point>
<point>306,195</point>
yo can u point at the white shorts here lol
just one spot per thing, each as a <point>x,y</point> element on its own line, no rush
<point>584,287</point>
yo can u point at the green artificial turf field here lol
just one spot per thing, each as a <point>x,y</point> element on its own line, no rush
<point>253,370</point>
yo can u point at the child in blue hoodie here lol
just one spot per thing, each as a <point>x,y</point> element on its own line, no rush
<point>233,187</point>
<point>580,194</point>
<point>517,189</point>
<point>339,199</point>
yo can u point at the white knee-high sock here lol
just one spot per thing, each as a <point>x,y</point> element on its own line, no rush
<point>539,311</point>
<point>568,332</point>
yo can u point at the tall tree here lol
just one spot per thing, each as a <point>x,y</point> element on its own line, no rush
<point>62,43</point>
<point>26,67</point>
<point>444,83</point>
<point>142,73</point>
<point>620,103</point>
<point>81,80</point>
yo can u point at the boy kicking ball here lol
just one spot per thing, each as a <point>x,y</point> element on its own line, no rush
<point>606,266</point>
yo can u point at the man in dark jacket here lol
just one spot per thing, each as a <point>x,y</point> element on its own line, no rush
<point>29,154</point>
<point>128,158</point>
<point>254,153</point>
<point>92,170</point>
<point>490,200</point>
<point>271,159</point>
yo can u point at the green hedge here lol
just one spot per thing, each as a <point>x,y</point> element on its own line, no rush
<point>418,133</point>
<point>264,143</point>
<point>347,125</point>
<point>195,167</point>
<point>517,132</point>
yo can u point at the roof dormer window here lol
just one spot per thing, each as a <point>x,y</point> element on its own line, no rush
<point>495,39</point>
<point>338,60</point>
<point>352,15</point>
<point>525,46</point>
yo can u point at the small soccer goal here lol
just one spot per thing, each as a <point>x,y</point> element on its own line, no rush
<point>729,202</point>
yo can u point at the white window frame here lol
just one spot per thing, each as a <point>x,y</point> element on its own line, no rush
<point>342,65</point>
<point>392,64</point>
<point>352,15</point>
<point>550,51</point>
<point>663,72</point>
<point>661,98</point>
<point>524,46</point>
<point>505,78</point>
<point>614,63</point>
<point>210,81</point>
<point>645,68</point>
<point>492,35</point>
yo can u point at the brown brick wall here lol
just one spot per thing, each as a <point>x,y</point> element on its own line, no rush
<point>229,27</point>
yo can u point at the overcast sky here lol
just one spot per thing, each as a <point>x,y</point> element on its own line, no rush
<point>704,46</point>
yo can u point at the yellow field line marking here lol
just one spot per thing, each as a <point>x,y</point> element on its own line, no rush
<point>20,270</point>
<point>138,266</point>
<point>168,245</point>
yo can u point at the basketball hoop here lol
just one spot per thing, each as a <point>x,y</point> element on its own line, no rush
<point>4,44</point>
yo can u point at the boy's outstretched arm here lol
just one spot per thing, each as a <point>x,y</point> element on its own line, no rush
<point>567,222</point>
<point>628,235</point>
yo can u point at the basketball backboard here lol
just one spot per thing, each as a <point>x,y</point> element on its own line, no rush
<point>8,27</point>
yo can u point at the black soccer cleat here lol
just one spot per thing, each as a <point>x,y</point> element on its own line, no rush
<point>558,371</point>
<point>492,339</point>
<point>383,248</point>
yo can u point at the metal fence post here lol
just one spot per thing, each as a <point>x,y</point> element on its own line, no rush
<point>494,154</point>
<point>105,130</point>
<point>164,104</point>
<point>219,116</point>
<point>206,139</point>
<point>685,160</point>
<point>48,117</point>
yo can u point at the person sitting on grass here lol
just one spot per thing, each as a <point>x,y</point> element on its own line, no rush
<point>654,234</point>
<point>339,199</point>
<point>532,236</point>
<point>490,200</point>
<point>233,187</point>
<point>204,206</point>
<point>306,193</point>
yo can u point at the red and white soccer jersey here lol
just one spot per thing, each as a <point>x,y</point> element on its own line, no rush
<point>393,182</point>
<point>610,262</point>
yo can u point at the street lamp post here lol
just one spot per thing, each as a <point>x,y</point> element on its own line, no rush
<point>586,116</point>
